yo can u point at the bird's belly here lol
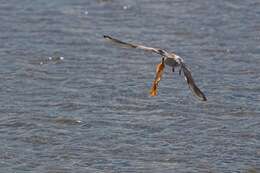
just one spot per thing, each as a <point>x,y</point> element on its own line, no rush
<point>171,62</point>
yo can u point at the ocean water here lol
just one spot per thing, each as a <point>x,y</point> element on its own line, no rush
<point>90,111</point>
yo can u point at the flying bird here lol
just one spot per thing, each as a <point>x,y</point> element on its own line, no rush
<point>170,59</point>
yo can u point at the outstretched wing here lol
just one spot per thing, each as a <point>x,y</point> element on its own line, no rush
<point>195,90</point>
<point>130,45</point>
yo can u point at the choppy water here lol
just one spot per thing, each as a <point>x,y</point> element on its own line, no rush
<point>91,111</point>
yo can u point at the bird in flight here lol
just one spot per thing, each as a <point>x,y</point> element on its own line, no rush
<point>170,59</point>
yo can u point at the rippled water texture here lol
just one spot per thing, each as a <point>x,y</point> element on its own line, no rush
<point>90,111</point>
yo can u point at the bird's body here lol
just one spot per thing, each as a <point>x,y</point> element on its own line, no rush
<point>170,59</point>
<point>173,62</point>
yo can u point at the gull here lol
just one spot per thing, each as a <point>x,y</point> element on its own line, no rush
<point>169,59</point>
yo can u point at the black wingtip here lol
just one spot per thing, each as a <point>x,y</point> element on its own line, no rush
<point>202,96</point>
<point>106,36</point>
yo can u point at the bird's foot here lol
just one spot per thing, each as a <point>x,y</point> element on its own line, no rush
<point>180,72</point>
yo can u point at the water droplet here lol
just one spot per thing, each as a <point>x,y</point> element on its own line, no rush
<point>78,121</point>
<point>125,7</point>
<point>50,58</point>
<point>61,58</point>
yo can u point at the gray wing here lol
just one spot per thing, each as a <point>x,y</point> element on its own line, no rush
<point>130,45</point>
<point>193,87</point>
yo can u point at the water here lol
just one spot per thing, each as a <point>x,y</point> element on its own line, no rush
<point>91,111</point>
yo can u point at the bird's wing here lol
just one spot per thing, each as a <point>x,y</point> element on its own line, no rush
<point>130,45</point>
<point>195,90</point>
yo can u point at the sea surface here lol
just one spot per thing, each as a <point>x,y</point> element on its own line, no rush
<point>71,102</point>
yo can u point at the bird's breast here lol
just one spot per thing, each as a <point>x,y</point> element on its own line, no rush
<point>171,62</point>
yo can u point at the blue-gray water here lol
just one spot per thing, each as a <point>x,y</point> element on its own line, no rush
<point>91,111</point>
